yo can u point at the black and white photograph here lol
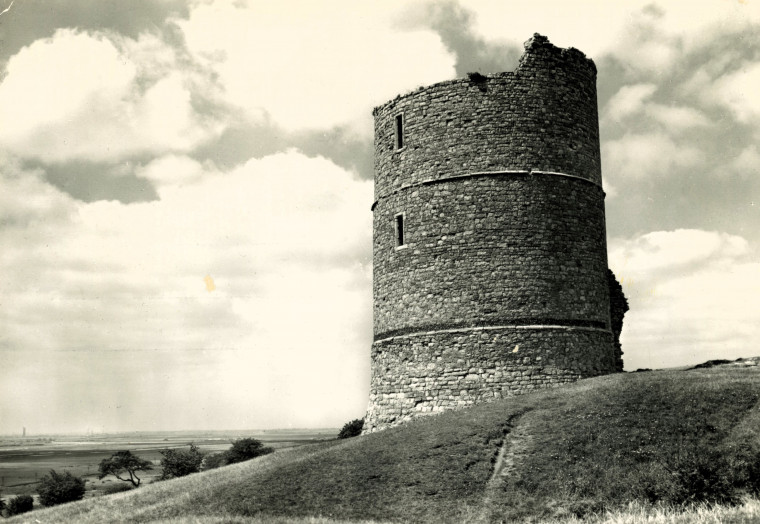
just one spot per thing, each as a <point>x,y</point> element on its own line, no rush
<point>329,261</point>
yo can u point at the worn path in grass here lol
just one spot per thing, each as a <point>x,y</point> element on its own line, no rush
<point>577,450</point>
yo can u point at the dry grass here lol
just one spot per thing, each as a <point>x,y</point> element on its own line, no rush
<point>607,449</point>
<point>164,501</point>
<point>635,513</point>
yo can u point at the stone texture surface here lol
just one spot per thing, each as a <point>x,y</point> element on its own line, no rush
<point>542,116</point>
<point>618,308</point>
<point>431,372</point>
<point>491,250</point>
<point>501,285</point>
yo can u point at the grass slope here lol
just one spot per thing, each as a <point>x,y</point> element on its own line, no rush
<point>600,444</point>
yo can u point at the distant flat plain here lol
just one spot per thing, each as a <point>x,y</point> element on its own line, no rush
<point>24,460</point>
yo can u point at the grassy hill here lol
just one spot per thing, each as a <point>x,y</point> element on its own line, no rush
<point>636,443</point>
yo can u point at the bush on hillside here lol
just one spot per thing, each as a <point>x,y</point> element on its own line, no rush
<point>712,363</point>
<point>56,489</point>
<point>20,504</point>
<point>178,463</point>
<point>702,474</point>
<point>749,460</point>
<point>352,429</point>
<point>214,460</point>
<point>110,489</point>
<point>246,449</point>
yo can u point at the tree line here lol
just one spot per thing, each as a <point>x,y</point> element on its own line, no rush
<point>56,488</point>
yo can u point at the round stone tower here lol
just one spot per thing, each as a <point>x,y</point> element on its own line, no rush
<point>490,257</point>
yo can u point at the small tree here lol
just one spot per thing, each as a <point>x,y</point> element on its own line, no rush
<point>214,460</point>
<point>123,463</point>
<point>178,463</point>
<point>55,488</point>
<point>20,504</point>
<point>352,429</point>
<point>246,449</point>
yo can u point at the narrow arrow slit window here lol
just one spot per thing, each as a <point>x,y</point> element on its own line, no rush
<point>400,131</point>
<point>400,230</point>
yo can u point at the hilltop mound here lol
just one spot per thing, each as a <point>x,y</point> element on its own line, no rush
<point>663,437</point>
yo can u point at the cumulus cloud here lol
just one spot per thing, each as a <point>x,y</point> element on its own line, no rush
<point>285,240</point>
<point>456,26</point>
<point>673,250</point>
<point>738,91</point>
<point>40,206</point>
<point>99,97</point>
<point>31,20</point>
<point>172,171</point>
<point>693,296</point>
<point>678,118</point>
<point>649,155</point>
<point>304,67</point>
<point>747,162</point>
<point>646,46</point>
<point>633,106</point>
<point>629,100</point>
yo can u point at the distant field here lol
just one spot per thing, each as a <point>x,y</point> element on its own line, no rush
<point>24,461</point>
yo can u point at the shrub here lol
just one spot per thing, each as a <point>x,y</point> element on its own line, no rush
<point>214,460</point>
<point>55,488</point>
<point>178,463</point>
<point>110,489</point>
<point>707,474</point>
<point>352,429</point>
<point>704,478</point>
<point>20,504</point>
<point>744,461</point>
<point>246,449</point>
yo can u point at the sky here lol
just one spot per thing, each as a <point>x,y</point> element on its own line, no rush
<point>185,192</point>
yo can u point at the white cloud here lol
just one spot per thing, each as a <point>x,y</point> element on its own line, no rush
<point>738,91</point>
<point>647,46</point>
<point>629,100</point>
<point>28,205</point>
<point>727,82</point>
<point>648,155</point>
<point>598,27</point>
<point>286,240</point>
<point>94,96</point>
<point>694,296</point>
<point>171,171</point>
<point>747,162</point>
<point>673,249</point>
<point>677,118</point>
<point>308,68</point>
<point>632,104</point>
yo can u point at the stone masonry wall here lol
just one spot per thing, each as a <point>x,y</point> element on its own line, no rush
<point>491,250</point>
<point>618,309</point>
<point>430,373</point>
<point>500,284</point>
<point>542,116</point>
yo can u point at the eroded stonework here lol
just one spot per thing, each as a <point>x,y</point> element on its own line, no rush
<point>490,256</point>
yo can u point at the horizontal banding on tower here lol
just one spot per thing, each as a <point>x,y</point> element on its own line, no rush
<point>482,174</point>
<point>490,251</point>
<point>524,324</point>
<point>489,247</point>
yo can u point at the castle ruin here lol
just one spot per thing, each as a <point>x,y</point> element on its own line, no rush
<point>490,254</point>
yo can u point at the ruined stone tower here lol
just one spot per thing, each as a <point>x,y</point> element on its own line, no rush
<point>490,256</point>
